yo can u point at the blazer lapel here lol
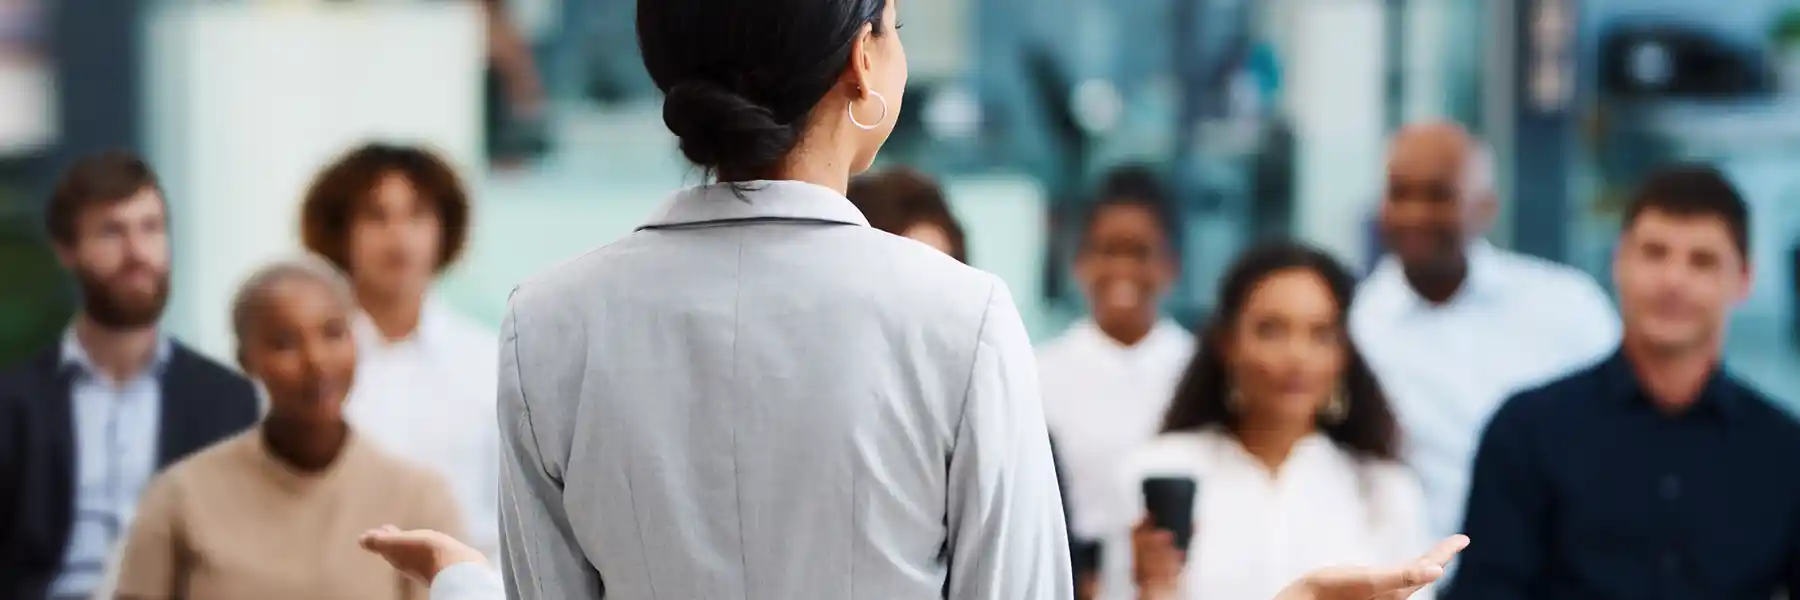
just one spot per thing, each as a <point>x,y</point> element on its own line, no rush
<point>176,418</point>
<point>56,382</point>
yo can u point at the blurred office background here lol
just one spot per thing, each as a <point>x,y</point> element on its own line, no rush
<point>1270,117</point>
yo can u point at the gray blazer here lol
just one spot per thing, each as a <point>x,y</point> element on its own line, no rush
<point>758,396</point>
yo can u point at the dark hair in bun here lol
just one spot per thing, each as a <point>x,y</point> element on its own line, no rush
<point>740,77</point>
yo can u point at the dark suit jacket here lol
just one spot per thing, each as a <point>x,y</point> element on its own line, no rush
<point>202,402</point>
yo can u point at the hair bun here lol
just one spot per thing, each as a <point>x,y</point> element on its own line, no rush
<point>722,130</point>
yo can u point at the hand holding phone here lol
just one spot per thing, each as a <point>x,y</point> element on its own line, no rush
<point>1170,501</point>
<point>1160,542</point>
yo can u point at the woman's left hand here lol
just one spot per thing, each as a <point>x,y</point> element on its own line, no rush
<point>1364,583</point>
<point>419,553</point>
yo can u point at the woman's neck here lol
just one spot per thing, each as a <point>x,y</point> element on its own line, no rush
<point>824,169</point>
<point>305,446</point>
<point>1271,444</point>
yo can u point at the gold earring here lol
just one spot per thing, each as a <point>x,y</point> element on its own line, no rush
<point>1234,400</point>
<point>1337,408</point>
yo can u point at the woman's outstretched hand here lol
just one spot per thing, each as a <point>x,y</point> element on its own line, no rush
<point>419,553</point>
<point>1368,583</point>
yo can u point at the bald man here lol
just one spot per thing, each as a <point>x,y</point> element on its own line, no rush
<point>1453,325</point>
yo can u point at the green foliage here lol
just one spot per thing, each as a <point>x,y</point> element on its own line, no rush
<point>35,297</point>
<point>1786,31</point>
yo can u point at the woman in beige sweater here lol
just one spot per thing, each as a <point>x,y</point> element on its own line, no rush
<point>273,513</point>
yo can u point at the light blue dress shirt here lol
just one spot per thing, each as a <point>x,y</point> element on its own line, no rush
<point>116,450</point>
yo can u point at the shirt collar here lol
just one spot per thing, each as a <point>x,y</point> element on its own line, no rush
<point>1160,335</point>
<point>433,321</point>
<point>1485,279</point>
<point>725,203</point>
<point>1620,383</point>
<point>1313,449</point>
<point>74,355</point>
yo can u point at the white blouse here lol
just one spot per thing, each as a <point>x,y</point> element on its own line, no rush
<point>430,399</point>
<point>1254,533</point>
<point>1103,401</point>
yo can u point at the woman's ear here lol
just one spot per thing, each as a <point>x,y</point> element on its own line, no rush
<point>862,66</point>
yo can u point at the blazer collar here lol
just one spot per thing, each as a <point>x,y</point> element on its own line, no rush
<point>72,355</point>
<point>754,201</point>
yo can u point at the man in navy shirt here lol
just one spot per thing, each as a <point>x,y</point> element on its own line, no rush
<point>1654,474</point>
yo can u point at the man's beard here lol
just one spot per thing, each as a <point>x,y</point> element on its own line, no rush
<point>119,309</point>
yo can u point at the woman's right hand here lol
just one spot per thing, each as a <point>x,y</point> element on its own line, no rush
<point>1155,562</point>
<point>420,553</point>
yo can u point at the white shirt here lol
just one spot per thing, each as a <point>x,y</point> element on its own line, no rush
<point>1103,400</point>
<point>1517,322</point>
<point>468,581</point>
<point>758,396</point>
<point>1255,533</point>
<point>430,399</point>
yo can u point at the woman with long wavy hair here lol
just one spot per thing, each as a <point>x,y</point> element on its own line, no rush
<point>1289,437</point>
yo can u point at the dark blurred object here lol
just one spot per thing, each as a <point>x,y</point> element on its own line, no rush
<point>1170,501</point>
<point>37,300</point>
<point>1086,558</point>
<point>1054,87</point>
<point>1794,286</point>
<point>1272,182</point>
<point>1654,60</point>
<point>512,135</point>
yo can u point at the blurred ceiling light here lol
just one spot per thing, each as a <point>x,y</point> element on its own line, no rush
<point>952,113</point>
<point>1097,105</point>
<point>1651,65</point>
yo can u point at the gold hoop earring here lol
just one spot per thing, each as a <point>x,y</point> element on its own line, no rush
<point>850,109</point>
<point>1337,408</point>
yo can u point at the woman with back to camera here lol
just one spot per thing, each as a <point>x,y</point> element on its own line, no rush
<point>1289,437</point>
<point>756,395</point>
<point>268,514</point>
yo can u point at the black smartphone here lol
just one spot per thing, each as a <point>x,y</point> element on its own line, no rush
<point>1170,501</point>
<point>1085,558</point>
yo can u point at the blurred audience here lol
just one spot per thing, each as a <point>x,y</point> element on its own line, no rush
<point>1290,438</point>
<point>1450,323</point>
<point>1655,474</point>
<point>910,204</point>
<point>85,424</point>
<point>1107,381</point>
<point>394,217</point>
<point>267,513</point>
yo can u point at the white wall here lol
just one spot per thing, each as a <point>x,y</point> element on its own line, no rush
<point>246,102</point>
<point>1336,93</point>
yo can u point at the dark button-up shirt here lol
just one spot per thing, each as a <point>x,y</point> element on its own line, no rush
<point>1583,489</point>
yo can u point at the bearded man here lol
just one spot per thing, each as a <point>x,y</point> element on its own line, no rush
<point>85,423</point>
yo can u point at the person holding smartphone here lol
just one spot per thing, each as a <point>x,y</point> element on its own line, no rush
<point>1289,437</point>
